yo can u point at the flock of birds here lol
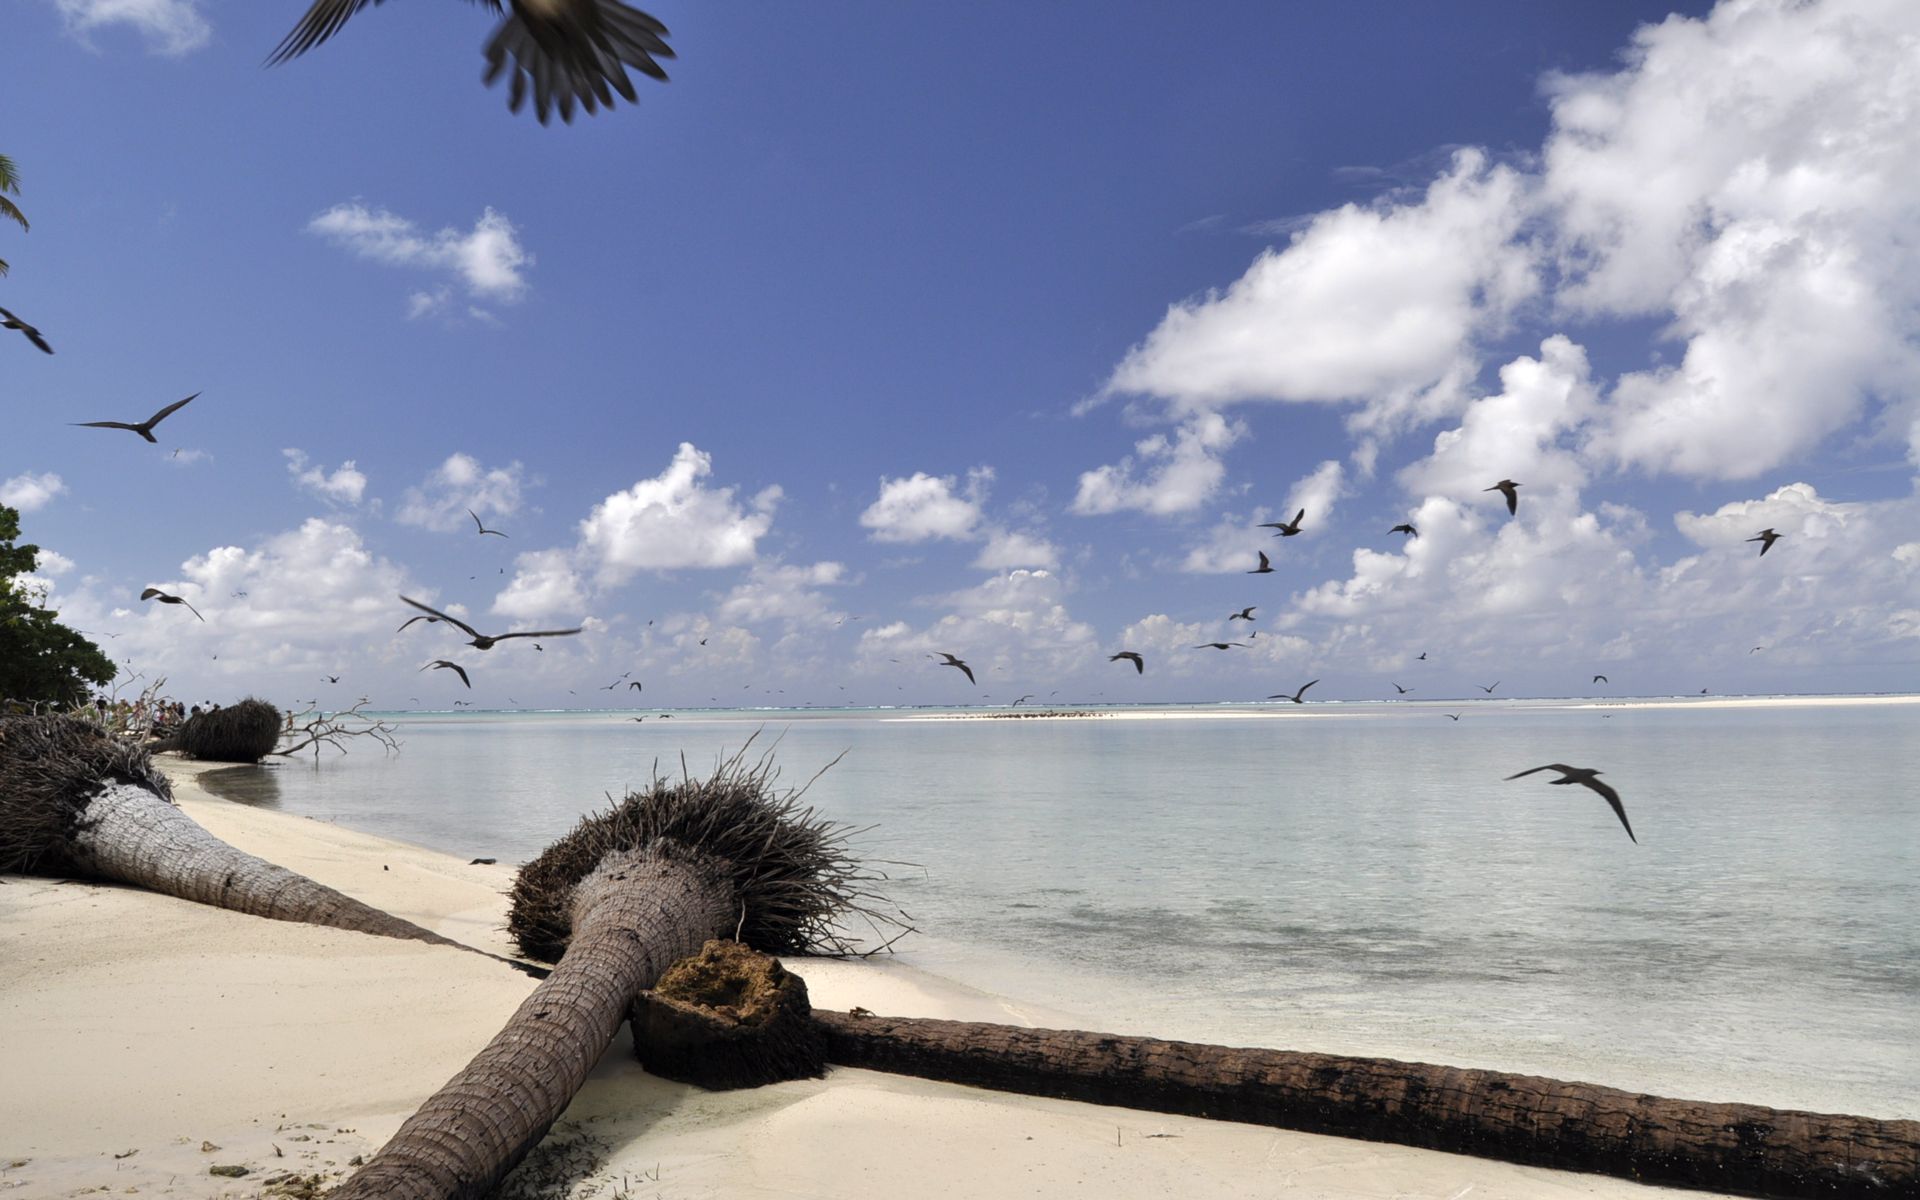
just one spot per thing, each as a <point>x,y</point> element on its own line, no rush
<point>568,54</point>
<point>1584,776</point>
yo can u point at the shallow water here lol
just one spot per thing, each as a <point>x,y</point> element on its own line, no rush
<point>1357,880</point>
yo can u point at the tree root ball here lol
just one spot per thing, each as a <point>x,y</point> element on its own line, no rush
<point>239,733</point>
<point>729,1017</point>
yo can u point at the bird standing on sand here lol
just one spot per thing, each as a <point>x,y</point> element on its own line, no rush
<point>1506,487</point>
<point>144,428</point>
<point>957,663</point>
<point>9,321</point>
<point>480,640</point>
<point>1589,778</point>
<point>1296,697</point>
<point>154,593</point>
<point>1139,664</point>
<point>1286,528</point>
<point>1265,567</point>
<point>570,51</point>
<point>1766,538</point>
<point>456,668</point>
<point>1245,614</point>
<point>482,528</point>
<point>1409,530</point>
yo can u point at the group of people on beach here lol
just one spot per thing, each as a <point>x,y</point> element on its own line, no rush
<point>141,715</point>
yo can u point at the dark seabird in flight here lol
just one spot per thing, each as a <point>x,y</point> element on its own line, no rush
<point>1409,530</point>
<point>1245,614</point>
<point>1589,778</point>
<point>1506,487</point>
<point>1217,645</point>
<point>456,668</point>
<point>1398,688</point>
<point>634,686</point>
<point>1485,688</point>
<point>1601,679</point>
<point>1766,538</point>
<point>1296,696</point>
<point>954,662</point>
<point>411,620</point>
<point>480,640</point>
<point>1286,528</point>
<point>1022,700</point>
<point>1451,716</point>
<point>1139,664</point>
<point>567,51</point>
<point>1265,567</point>
<point>144,428</point>
<point>9,321</point>
<point>154,593</point>
<point>482,528</point>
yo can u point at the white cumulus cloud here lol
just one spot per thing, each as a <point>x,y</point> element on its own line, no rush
<point>672,521</point>
<point>172,27</point>
<point>1163,475</point>
<point>488,259</point>
<point>27,492</point>
<point>345,484</point>
<point>920,507</point>
<point>443,500</point>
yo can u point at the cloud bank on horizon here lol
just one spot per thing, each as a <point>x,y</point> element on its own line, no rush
<point>1692,281</point>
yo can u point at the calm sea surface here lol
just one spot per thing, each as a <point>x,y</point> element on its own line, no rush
<point>1347,879</point>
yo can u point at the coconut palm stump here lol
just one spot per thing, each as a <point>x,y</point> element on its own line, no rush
<point>76,801</point>
<point>729,1017</point>
<point>627,894</point>
<point>245,732</point>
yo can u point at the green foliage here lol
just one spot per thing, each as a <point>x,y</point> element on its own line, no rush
<point>9,185</point>
<point>41,660</point>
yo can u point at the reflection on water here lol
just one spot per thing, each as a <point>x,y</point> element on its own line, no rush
<point>1361,884</point>
<point>255,785</point>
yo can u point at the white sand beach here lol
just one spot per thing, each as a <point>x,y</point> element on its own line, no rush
<point>147,1040</point>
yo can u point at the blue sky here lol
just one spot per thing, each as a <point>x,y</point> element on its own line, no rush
<point>885,330</point>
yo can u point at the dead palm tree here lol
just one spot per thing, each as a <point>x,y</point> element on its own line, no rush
<point>10,186</point>
<point>75,801</point>
<point>627,894</point>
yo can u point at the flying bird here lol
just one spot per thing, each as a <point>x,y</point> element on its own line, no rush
<point>1022,700</point>
<point>482,528</point>
<point>331,678</point>
<point>1286,528</point>
<point>635,686</point>
<point>1507,488</point>
<point>480,640</point>
<point>1296,696</point>
<point>1589,778</point>
<point>455,667</point>
<point>1451,716</point>
<point>154,593</point>
<point>144,428</point>
<point>954,662</point>
<point>1601,679</point>
<point>1265,567</point>
<point>9,321</point>
<point>1216,645</point>
<point>1245,614</point>
<point>1421,657</point>
<point>411,620</point>
<point>570,51</point>
<point>1488,690</point>
<point>1139,664</point>
<point>1766,538</point>
<point>1409,530</point>
<point>1398,688</point>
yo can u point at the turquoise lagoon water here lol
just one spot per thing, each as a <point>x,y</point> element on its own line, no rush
<point>1353,878</point>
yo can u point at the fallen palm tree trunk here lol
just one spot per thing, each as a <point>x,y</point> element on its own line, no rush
<point>729,1017</point>
<point>75,801</point>
<point>627,894</point>
<point>1737,1148</point>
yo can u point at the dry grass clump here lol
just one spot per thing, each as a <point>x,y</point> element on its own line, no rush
<point>242,733</point>
<point>51,767</point>
<point>793,877</point>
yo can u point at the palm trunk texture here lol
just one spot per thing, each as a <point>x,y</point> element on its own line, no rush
<point>634,916</point>
<point>1738,1148</point>
<point>133,836</point>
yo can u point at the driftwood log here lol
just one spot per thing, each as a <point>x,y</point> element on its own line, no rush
<point>1738,1148</point>
<point>729,1017</point>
